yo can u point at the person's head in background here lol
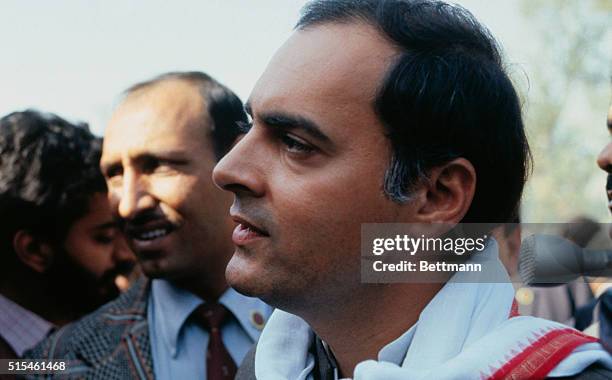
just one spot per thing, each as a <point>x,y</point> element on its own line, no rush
<point>160,147</point>
<point>60,248</point>
<point>605,162</point>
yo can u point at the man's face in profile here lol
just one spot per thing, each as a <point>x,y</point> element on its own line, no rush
<point>90,257</point>
<point>95,244</point>
<point>605,162</point>
<point>311,168</point>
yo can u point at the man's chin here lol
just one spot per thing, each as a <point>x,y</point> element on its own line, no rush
<point>248,291</point>
<point>242,286</point>
<point>153,268</point>
<point>244,279</point>
<point>154,264</point>
<point>154,272</point>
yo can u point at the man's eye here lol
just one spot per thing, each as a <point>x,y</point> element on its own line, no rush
<point>150,164</point>
<point>104,239</point>
<point>112,172</point>
<point>295,146</point>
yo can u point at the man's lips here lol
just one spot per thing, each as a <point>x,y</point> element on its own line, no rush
<point>246,231</point>
<point>150,231</point>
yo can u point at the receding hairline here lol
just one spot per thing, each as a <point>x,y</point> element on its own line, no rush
<point>192,94</point>
<point>144,88</point>
<point>349,17</point>
<point>188,101</point>
<point>359,20</point>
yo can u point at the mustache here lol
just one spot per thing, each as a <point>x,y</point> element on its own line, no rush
<point>609,184</point>
<point>256,213</point>
<point>141,219</point>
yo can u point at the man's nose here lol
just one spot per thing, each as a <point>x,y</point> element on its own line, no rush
<point>133,196</point>
<point>242,169</point>
<point>604,160</point>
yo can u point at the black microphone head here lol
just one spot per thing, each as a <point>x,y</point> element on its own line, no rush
<point>547,260</point>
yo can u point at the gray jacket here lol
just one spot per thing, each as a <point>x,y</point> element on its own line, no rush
<point>110,343</point>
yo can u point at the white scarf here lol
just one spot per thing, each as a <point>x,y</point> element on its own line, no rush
<point>463,333</point>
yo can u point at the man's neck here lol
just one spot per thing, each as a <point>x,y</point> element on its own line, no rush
<point>210,290</point>
<point>356,330</point>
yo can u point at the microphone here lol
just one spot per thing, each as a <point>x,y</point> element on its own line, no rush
<point>547,260</point>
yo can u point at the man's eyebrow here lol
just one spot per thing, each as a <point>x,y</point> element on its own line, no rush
<point>177,154</point>
<point>176,157</point>
<point>160,154</point>
<point>288,121</point>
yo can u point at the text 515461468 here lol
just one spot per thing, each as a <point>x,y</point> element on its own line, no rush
<point>31,367</point>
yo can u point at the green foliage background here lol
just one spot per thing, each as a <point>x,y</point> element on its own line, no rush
<point>566,94</point>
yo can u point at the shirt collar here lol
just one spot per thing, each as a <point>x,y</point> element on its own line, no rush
<point>173,305</point>
<point>21,328</point>
<point>250,312</point>
<point>396,351</point>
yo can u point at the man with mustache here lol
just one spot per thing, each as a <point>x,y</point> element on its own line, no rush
<point>61,249</point>
<point>383,112</point>
<point>160,148</point>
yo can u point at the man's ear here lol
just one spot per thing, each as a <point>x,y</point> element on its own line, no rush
<point>32,252</point>
<point>448,193</point>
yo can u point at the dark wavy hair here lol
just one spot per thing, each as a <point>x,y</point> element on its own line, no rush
<point>224,107</point>
<point>49,169</point>
<point>446,96</point>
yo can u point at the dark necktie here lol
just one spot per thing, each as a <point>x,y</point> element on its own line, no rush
<point>219,363</point>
